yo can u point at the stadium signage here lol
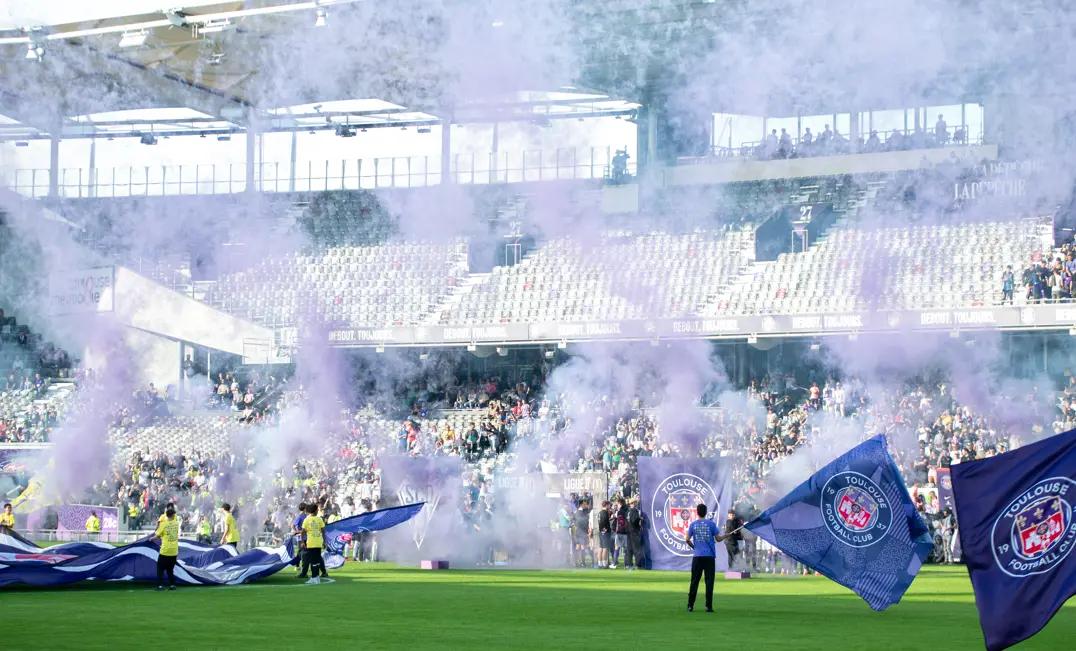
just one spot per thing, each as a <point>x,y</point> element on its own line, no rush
<point>705,326</point>
<point>361,334</point>
<point>82,290</point>
<point>959,317</point>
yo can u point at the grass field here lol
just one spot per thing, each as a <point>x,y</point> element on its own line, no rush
<point>383,606</point>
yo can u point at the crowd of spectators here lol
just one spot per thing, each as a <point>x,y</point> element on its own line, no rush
<point>496,427</point>
<point>829,142</point>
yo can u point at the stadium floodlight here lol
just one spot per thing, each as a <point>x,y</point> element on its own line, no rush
<point>176,17</point>
<point>562,344</point>
<point>1072,331</point>
<point>815,346</point>
<point>471,348</point>
<point>216,26</point>
<point>223,138</point>
<point>424,356</point>
<point>752,339</point>
<point>345,131</point>
<point>21,143</point>
<point>954,333</point>
<point>35,50</point>
<point>133,39</point>
<point>502,351</point>
<point>320,18</point>
<point>148,139</point>
<point>550,353</point>
<point>380,348</point>
<point>424,130</point>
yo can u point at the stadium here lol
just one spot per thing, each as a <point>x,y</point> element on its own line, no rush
<point>489,323</point>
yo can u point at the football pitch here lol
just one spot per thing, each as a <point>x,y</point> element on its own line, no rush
<point>383,606</point>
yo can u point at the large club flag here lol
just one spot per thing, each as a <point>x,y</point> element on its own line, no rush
<point>670,490</point>
<point>1017,532</point>
<point>854,522</point>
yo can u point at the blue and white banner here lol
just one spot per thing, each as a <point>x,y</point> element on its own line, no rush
<point>341,532</point>
<point>24,563</point>
<point>670,490</point>
<point>854,522</point>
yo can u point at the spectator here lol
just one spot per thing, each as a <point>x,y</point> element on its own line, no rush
<point>941,131</point>
<point>1007,285</point>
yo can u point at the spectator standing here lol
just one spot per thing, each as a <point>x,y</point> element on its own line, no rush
<point>1007,285</point>
<point>941,131</point>
<point>636,528</point>
<point>605,535</point>
<point>620,531</point>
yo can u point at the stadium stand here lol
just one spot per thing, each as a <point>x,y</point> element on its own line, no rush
<point>620,276</point>
<point>393,284</point>
<point>857,267</point>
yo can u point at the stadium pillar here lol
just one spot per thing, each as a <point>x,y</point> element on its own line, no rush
<point>446,151</point>
<point>291,167</point>
<point>252,140</point>
<point>54,163</point>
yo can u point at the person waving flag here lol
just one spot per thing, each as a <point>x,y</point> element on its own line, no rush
<point>854,522</point>
<point>1017,533</point>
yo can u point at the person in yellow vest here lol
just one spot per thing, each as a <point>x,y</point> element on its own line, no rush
<point>7,518</point>
<point>231,529</point>
<point>168,533</point>
<point>314,528</point>
<point>205,531</point>
<point>93,523</point>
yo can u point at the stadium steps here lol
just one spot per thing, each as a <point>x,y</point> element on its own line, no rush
<point>452,302</point>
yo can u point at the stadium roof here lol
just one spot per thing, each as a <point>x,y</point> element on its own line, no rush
<point>110,67</point>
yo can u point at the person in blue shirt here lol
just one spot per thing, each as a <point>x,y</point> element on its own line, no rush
<point>300,539</point>
<point>702,535</point>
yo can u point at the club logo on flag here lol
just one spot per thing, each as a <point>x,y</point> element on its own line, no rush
<point>855,509</point>
<point>1035,532</point>
<point>673,509</point>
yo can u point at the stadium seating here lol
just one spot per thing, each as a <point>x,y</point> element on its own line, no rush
<point>619,276</point>
<point>380,286</point>
<point>208,434</point>
<point>33,412</point>
<point>898,267</point>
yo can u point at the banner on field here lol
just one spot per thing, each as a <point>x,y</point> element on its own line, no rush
<point>72,517</point>
<point>669,492</point>
<point>435,481</point>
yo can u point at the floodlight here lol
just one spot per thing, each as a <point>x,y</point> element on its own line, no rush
<point>148,139</point>
<point>133,39</point>
<point>320,18</point>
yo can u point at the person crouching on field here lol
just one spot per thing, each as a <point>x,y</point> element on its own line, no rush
<point>314,528</point>
<point>168,533</point>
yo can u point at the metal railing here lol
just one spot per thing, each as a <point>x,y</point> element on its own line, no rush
<point>841,143</point>
<point>311,176</point>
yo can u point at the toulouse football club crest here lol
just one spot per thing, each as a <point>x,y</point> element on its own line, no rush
<point>673,509</point>
<point>1035,532</point>
<point>855,509</point>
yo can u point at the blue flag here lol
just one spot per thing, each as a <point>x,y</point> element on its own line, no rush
<point>670,490</point>
<point>854,522</point>
<point>1017,533</point>
<point>341,532</point>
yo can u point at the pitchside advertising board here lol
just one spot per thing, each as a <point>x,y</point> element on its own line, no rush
<point>670,490</point>
<point>82,291</point>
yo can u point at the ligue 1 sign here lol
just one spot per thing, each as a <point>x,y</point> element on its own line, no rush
<point>672,509</point>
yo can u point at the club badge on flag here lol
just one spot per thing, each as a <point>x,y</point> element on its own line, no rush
<point>854,522</point>
<point>1017,533</point>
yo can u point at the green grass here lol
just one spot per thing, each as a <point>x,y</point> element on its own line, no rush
<point>384,606</point>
